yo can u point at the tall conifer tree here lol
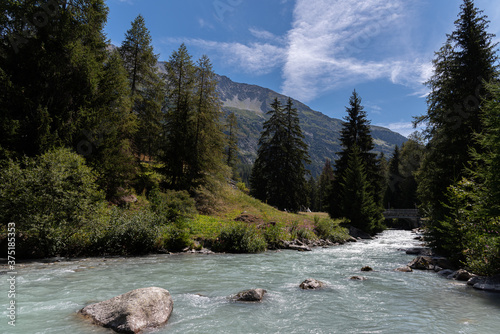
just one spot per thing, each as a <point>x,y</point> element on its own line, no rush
<point>461,67</point>
<point>232,143</point>
<point>194,141</point>
<point>278,175</point>
<point>147,87</point>
<point>356,199</point>
<point>355,133</point>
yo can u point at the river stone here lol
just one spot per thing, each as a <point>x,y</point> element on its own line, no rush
<point>252,295</point>
<point>421,263</point>
<point>485,283</point>
<point>404,269</point>
<point>358,234</point>
<point>358,278</point>
<point>132,312</point>
<point>311,284</point>
<point>462,275</point>
<point>367,268</point>
<point>419,251</point>
<point>446,272</point>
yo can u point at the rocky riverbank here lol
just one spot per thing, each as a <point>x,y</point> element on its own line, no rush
<point>427,260</point>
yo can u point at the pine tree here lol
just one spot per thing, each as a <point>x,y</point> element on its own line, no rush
<point>324,183</point>
<point>147,87</point>
<point>355,133</point>
<point>394,194</point>
<point>52,71</point>
<point>194,141</point>
<point>115,123</point>
<point>64,88</point>
<point>232,144</point>
<point>178,150</point>
<point>208,136</point>
<point>356,199</point>
<point>278,175</point>
<point>461,66</point>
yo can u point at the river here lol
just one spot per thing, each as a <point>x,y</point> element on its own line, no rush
<point>49,295</point>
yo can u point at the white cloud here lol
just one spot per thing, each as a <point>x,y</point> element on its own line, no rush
<point>330,42</point>
<point>403,128</point>
<point>255,58</point>
<point>265,35</point>
<point>334,43</point>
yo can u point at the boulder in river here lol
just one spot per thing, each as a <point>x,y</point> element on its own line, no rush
<point>132,312</point>
<point>358,234</point>
<point>421,263</point>
<point>461,275</point>
<point>367,268</point>
<point>311,284</point>
<point>252,295</point>
<point>446,272</point>
<point>358,278</point>
<point>404,269</point>
<point>485,283</point>
<point>419,251</point>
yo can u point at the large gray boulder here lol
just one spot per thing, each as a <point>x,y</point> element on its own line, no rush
<point>311,284</point>
<point>485,283</point>
<point>358,234</point>
<point>132,312</point>
<point>419,251</point>
<point>461,275</point>
<point>252,295</point>
<point>430,263</point>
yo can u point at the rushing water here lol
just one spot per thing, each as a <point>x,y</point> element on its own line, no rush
<point>49,295</point>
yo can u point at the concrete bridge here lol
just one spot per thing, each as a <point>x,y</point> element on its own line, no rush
<point>410,215</point>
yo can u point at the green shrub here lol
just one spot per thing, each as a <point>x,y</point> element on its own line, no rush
<point>302,232</point>
<point>149,177</point>
<point>175,237</point>
<point>275,235</point>
<point>172,205</point>
<point>330,230</point>
<point>128,233</point>
<point>239,239</point>
<point>243,187</point>
<point>50,198</point>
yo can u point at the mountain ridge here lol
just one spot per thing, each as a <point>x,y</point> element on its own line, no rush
<point>250,104</point>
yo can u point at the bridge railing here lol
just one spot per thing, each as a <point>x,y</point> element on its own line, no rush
<point>402,213</point>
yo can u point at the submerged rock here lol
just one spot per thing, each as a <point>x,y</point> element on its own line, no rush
<point>132,312</point>
<point>404,269</point>
<point>485,283</point>
<point>446,272</point>
<point>367,268</point>
<point>358,278</point>
<point>358,234</point>
<point>311,284</point>
<point>252,295</point>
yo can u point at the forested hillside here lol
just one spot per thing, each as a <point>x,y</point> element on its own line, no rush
<point>250,104</point>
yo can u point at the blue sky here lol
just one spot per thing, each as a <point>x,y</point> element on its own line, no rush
<point>316,51</point>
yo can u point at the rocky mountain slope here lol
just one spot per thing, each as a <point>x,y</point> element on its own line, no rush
<point>250,104</point>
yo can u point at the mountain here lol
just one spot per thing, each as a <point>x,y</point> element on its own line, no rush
<point>250,104</point>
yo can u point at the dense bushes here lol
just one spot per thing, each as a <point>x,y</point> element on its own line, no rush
<point>49,198</point>
<point>172,205</point>
<point>330,230</point>
<point>239,238</point>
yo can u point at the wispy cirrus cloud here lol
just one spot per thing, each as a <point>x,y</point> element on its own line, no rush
<point>328,46</point>
<point>403,128</point>
<point>333,43</point>
<point>256,58</point>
